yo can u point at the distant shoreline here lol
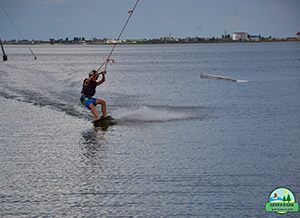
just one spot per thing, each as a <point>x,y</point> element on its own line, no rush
<point>237,37</point>
<point>144,43</point>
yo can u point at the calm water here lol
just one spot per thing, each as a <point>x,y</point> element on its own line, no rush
<point>184,146</point>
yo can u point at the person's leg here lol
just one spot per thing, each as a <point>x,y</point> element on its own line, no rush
<point>94,111</point>
<point>103,106</point>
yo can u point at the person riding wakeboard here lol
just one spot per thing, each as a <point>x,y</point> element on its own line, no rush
<point>88,91</point>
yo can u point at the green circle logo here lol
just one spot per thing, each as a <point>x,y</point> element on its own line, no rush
<point>282,200</point>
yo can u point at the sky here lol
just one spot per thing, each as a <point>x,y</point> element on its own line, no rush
<point>44,19</point>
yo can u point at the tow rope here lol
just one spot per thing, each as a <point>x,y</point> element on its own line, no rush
<point>16,28</point>
<point>109,59</point>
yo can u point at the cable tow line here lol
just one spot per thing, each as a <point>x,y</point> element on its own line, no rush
<point>16,28</point>
<point>109,59</point>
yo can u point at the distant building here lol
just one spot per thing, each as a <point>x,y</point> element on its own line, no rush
<point>254,38</point>
<point>240,36</point>
<point>298,35</point>
<point>82,41</point>
<point>113,41</point>
<point>291,39</point>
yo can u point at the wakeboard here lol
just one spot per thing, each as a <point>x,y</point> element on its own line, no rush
<point>105,122</point>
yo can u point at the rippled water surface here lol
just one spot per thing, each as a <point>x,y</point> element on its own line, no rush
<point>183,146</point>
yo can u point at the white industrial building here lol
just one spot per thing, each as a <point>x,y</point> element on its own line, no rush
<point>240,36</point>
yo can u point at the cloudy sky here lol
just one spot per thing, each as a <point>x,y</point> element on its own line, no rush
<point>44,19</point>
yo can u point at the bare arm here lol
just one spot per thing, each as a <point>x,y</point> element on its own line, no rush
<point>103,78</point>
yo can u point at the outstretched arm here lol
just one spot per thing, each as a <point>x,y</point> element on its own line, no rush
<point>103,78</point>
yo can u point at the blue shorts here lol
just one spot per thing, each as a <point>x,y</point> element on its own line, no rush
<point>87,101</point>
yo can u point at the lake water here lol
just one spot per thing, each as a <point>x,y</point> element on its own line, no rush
<point>183,146</point>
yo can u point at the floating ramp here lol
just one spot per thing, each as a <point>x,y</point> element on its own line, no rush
<point>219,77</point>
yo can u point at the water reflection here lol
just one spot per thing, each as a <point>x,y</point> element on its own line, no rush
<point>93,143</point>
